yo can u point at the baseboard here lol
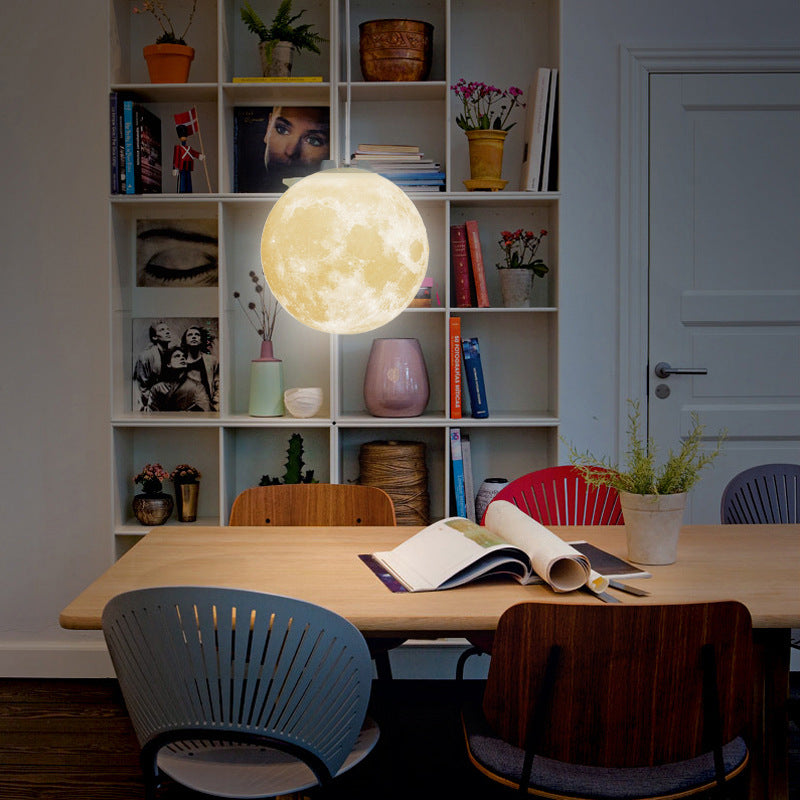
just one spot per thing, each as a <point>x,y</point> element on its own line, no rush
<point>55,660</point>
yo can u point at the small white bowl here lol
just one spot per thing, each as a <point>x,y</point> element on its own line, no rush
<point>304,402</point>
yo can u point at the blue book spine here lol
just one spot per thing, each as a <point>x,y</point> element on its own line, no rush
<point>456,460</point>
<point>114,145</point>
<point>127,115</point>
<point>473,377</point>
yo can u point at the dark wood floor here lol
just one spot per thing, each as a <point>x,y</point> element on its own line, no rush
<point>72,739</point>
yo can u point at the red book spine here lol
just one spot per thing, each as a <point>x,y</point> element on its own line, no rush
<point>476,257</point>
<point>455,368</point>
<point>459,256</point>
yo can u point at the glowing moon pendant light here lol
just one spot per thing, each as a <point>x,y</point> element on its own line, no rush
<point>344,250</point>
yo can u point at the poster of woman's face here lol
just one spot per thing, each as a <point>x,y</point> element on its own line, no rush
<point>175,364</point>
<point>177,253</point>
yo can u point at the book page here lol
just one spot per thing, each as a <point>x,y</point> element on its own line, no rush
<point>438,552</point>
<point>559,564</point>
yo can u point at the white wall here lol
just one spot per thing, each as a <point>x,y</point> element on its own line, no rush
<point>54,484</point>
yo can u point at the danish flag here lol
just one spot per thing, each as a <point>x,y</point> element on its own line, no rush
<point>188,119</point>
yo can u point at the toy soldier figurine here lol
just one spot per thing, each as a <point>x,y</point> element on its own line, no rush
<point>183,157</point>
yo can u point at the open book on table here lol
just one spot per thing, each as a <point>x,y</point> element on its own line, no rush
<point>455,551</point>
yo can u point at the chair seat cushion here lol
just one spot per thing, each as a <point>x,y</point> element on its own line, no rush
<point>503,760</point>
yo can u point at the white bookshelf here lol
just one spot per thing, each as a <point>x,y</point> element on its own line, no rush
<point>519,346</point>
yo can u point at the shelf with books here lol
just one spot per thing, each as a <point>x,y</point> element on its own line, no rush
<point>518,345</point>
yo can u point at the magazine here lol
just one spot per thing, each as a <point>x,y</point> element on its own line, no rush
<point>454,551</point>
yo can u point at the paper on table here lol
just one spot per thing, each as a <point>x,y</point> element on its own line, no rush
<point>556,562</point>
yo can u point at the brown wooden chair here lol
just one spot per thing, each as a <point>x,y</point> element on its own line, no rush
<point>313,504</point>
<point>321,504</point>
<point>615,701</point>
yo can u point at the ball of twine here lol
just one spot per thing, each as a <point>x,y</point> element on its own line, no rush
<point>399,469</point>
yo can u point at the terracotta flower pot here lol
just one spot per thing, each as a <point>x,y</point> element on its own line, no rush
<point>168,63</point>
<point>486,159</point>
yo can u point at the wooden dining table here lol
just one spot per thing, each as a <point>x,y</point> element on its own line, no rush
<point>758,565</point>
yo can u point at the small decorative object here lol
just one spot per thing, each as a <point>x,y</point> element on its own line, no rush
<point>303,402</point>
<point>358,241</point>
<point>170,58</point>
<point>266,372</point>
<point>520,266</point>
<point>282,39</point>
<point>294,466</point>
<point>486,128</point>
<point>400,469</point>
<point>187,488</point>
<point>395,49</point>
<point>152,507</point>
<point>652,498</point>
<point>183,154</point>
<point>486,493</point>
<point>396,379</point>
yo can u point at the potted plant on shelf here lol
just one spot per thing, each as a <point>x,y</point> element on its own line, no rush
<point>520,265</point>
<point>484,118</point>
<point>282,39</point>
<point>169,59</point>
<point>152,506</point>
<point>294,466</point>
<point>266,372</point>
<point>186,479</point>
<point>653,498</point>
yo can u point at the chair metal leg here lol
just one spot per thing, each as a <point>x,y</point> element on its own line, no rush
<point>383,665</point>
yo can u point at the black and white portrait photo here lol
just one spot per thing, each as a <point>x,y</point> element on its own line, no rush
<point>177,253</point>
<point>175,364</point>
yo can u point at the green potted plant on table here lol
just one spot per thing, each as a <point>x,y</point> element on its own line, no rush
<point>152,506</point>
<point>186,479</point>
<point>279,41</point>
<point>169,59</point>
<point>653,497</point>
<point>520,265</point>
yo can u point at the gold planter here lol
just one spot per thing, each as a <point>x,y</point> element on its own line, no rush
<point>186,495</point>
<point>486,160</point>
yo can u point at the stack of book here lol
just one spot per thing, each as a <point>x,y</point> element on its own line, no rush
<point>403,164</point>
<point>539,164</point>
<point>135,147</point>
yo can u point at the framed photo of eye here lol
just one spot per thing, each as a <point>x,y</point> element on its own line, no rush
<point>177,253</point>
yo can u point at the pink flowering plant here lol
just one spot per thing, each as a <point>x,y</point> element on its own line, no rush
<point>185,473</point>
<point>158,8</point>
<point>519,250</point>
<point>151,477</point>
<point>486,107</point>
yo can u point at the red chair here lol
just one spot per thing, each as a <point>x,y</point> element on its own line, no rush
<point>552,496</point>
<point>561,496</point>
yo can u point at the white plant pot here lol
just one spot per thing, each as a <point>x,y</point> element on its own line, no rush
<point>652,526</point>
<point>276,59</point>
<point>515,285</point>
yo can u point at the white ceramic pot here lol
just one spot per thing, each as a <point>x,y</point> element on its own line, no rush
<point>652,526</point>
<point>276,59</point>
<point>515,285</point>
<point>303,402</point>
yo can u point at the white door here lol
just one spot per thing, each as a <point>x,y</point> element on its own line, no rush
<point>724,273</point>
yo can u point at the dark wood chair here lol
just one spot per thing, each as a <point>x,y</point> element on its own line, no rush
<point>321,504</point>
<point>615,701</point>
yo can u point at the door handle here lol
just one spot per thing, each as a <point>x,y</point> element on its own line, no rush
<point>664,370</point>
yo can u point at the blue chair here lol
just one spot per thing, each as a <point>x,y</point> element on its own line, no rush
<point>766,494</point>
<point>237,693</point>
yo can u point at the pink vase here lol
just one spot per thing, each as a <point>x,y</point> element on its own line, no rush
<point>396,380</point>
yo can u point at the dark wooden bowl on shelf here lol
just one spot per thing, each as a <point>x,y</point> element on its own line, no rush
<point>395,49</point>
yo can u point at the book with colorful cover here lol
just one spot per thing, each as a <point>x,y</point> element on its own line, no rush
<point>473,377</point>
<point>459,257</point>
<point>457,462</point>
<point>476,261</point>
<point>469,480</point>
<point>455,368</point>
<point>129,144</point>
<point>147,152</point>
<point>455,551</point>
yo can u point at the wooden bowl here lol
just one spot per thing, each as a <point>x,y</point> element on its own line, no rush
<point>395,49</point>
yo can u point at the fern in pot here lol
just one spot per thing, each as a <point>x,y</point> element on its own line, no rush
<point>652,495</point>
